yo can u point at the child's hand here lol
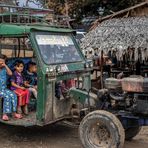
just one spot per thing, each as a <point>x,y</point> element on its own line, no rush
<point>35,87</point>
<point>27,82</point>
<point>3,64</point>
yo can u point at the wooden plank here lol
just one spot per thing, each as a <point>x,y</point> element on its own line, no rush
<point>4,46</point>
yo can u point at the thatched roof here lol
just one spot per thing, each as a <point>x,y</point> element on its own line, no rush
<point>119,13</point>
<point>119,34</point>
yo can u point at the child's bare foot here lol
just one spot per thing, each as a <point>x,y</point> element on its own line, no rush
<point>18,116</point>
<point>25,109</point>
<point>5,117</point>
<point>19,110</point>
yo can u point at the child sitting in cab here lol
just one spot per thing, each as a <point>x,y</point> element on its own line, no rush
<point>17,85</point>
<point>9,97</point>
<point>31,78</point>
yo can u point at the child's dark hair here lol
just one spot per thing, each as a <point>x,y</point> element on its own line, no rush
<point>4,57</point>
<point>18,63</point>
<point>30,64</point>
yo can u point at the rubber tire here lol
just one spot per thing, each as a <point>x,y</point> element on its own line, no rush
<point>115,126</point>
<point>130,133</point>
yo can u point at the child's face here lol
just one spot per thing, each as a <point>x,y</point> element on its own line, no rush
<point>19,68</point>
<point>2,61</point>
<point>33,68</point>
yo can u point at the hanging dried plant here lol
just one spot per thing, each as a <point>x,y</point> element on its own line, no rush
<point>120,35</point>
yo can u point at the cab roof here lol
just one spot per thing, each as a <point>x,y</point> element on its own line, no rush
<point>15,30</point>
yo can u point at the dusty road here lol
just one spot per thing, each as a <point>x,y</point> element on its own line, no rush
<point>57,136</point>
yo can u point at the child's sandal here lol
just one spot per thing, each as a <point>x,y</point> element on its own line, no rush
<point>18,116</point>
<point>19,110</point>
<point>5,118</point>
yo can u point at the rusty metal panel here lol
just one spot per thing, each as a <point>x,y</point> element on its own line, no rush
<point>62,107</point>
<point>49,102</point>
<point>137,84</point>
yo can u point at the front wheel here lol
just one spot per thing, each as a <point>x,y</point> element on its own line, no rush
<point>101,129</point>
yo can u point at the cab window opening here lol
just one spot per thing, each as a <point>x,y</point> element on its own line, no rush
<point>62,87</point>
<point>17,50</point>
<point>16,47</point>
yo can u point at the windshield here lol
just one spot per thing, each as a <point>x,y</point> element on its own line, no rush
<point>57,48</point>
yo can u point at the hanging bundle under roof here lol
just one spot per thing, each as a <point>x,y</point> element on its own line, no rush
<point>120,35</point>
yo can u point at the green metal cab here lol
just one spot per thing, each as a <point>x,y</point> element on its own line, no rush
<point>59,59</point>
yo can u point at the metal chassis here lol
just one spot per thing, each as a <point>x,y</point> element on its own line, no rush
<point>130,120</point>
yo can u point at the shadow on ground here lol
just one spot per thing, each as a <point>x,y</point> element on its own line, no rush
<point>53,136</point>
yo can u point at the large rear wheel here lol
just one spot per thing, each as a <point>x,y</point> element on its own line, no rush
<point>101,129</point>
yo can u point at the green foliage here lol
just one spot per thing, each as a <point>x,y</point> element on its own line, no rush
<point>80,8</point>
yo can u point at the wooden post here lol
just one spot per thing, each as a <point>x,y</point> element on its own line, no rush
<point>66,8</point>
<point>19,47</point>
<point>101,69</point>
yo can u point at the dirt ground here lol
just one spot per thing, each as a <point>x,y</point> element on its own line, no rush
<point>55,136</point>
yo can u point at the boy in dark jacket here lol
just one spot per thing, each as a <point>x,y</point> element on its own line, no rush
<point>31,78</point>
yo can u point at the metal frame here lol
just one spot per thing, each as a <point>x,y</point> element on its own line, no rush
<point>24,15</point>
<point>26,12</point>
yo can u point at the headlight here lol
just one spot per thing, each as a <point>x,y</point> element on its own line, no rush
<point>51,69</point>
<point>58,68</point>
<point>47,70</point>
<point>91,64</point>
<point>86,65</point>
<point>50,72</point>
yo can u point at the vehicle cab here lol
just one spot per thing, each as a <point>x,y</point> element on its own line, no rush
<point>59,61</point>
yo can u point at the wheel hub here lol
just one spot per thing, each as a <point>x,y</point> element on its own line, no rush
<point>100,135</point>
<point>103,133</point>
